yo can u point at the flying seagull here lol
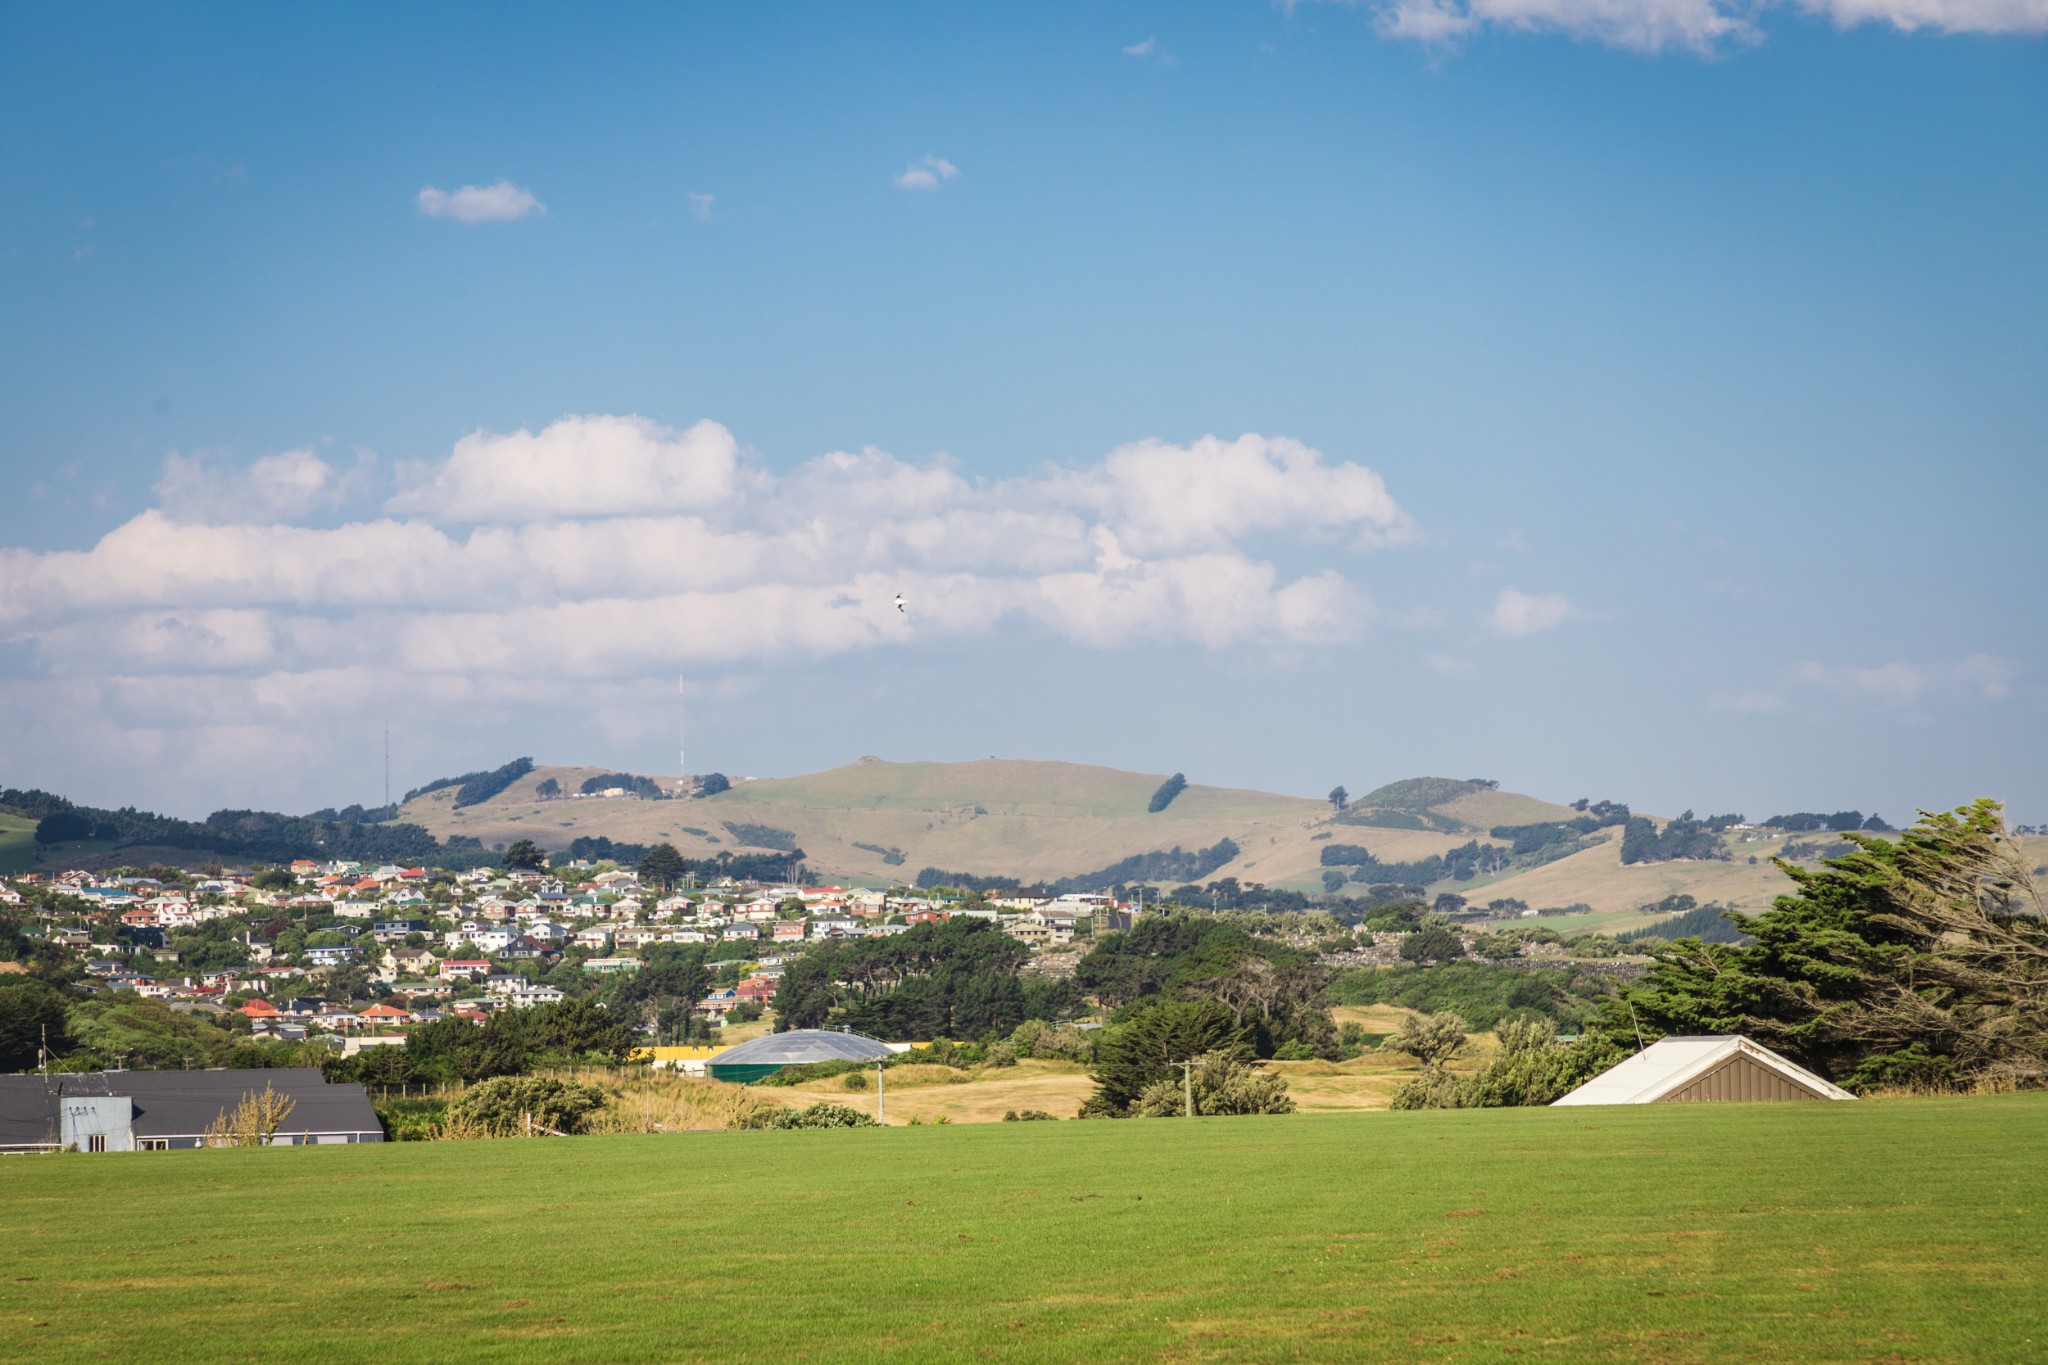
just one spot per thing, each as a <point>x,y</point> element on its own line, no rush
<point>902,607</point>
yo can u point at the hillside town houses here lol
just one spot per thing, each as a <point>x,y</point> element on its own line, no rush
<point>422,944</point>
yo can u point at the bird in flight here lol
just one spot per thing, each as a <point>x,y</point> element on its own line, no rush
<point>902,607</point>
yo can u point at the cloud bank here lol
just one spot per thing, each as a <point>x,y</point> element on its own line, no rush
<point>1702,26</point>
<point>573,563</point>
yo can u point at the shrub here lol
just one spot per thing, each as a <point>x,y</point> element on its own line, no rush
<point>942,1052</point>
<point>823,1114</point>
<point>1497,947</point>
<point>1530,1068</point>
<point>1052,1042</point>
<point>1028,1116</point>
<point>1434,944</point>
<point>854,1080</point>
<point>1222,1084</point>
<point>512,1106</point>
<point>1431,1039</point>
<point>814,1071</point>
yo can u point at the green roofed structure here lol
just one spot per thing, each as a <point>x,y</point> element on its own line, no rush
<point>765,1056</point>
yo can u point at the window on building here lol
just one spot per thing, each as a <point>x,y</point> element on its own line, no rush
<point>96,1143</point>
<point>156,1144</point>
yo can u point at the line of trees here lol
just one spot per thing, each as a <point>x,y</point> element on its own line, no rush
<point>1841,822</point>
<point>1682,838</point>
<point>958,979</point>
<point>259,836</point>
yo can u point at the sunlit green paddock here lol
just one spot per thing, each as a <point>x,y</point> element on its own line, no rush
<point>1901,1230</point>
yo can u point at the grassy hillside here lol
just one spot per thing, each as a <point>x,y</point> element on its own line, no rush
<point>993,816</point>
<point>17,843</point>
<point>1872,1231</point>
<point>877,821</point>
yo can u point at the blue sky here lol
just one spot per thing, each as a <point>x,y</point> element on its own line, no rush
<point>1647,407</point>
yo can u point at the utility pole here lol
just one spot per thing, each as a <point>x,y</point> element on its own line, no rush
<point>1187,1078</point>
<point>881,1114</point>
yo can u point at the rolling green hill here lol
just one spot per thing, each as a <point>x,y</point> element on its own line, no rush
<point>877,821</point>
<point>1880,1230</point>
<point>17,843</point>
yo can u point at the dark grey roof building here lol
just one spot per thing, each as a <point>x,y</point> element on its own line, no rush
<point>124,1111</point>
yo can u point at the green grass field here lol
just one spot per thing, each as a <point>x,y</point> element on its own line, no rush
<point>1877,1231</point>
<point>17,843</point>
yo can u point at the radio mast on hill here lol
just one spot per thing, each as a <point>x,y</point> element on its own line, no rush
<point>682,734</point>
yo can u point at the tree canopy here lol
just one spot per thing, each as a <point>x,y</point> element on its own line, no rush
<point>1170,788</point>
<point>1920,961</point>
<point>1149,1047</point>
<point>526,855</point>
<point>958,979</point>
<point>662,866</point>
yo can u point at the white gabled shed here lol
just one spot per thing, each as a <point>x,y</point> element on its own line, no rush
<point>1687,1070</point>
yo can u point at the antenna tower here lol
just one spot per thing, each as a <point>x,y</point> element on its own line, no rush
<point>682,733</point>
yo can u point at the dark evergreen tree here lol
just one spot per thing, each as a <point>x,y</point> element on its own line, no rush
<point>1170,788</point>
<point>662,866</point>
<point>525,855</point>
<point>1917,960</point>
<point>1151,1045</point>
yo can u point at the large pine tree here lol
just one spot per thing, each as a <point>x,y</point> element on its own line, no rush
<point>1921,960</point>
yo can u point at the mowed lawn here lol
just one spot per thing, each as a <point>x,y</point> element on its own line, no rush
<point>1904,1230</point>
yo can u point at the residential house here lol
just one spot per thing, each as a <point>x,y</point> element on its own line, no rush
<point>381,1015</point>
<point>398,962</point>
<point>492,942</point>
<point>524,949</point>
<point>525,996</point>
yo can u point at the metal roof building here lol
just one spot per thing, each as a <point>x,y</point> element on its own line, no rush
<point>125,1111</point>
<point>768,1054</point>
<point>1688,1070</point>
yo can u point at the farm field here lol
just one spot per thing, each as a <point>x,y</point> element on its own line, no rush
<point>1887,1230</point>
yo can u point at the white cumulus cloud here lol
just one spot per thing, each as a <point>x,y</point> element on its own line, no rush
<point>496,203</point>
<point>1516,614</point>
<point>576,467</point>
<point>927,173</point>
